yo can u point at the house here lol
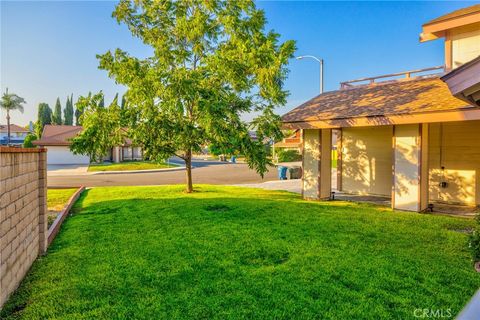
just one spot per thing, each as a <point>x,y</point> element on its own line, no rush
<point>292,142</point>
<point>413,136</point>
<point>57,140</point>
<point>17,134</point>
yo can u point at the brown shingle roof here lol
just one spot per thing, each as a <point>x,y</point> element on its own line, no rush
<point>13,128</point>
<point>392,98</point>
<point>455,14</point>
<point>57,135</point>
<point>60,135</point>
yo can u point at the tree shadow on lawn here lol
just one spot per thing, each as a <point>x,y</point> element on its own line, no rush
<point>258,256</point>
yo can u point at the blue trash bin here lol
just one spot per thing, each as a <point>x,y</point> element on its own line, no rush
<point>282,173</point>
<point>233,159</point>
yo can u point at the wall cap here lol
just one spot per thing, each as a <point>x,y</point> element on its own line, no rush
<point>4,149</point>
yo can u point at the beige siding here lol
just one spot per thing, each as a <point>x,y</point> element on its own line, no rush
<point>367,160</point>
<point>407,167</point>
<point>465,44</point>
<point>455,146</point>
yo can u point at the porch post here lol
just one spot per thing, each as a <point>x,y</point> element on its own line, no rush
<point>116,154</point>
<point>317,154</point>
<point>410,178</point>
<point>339,159</point>
<point>424,169</point>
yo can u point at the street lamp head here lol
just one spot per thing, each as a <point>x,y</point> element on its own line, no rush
<point>309,56</point>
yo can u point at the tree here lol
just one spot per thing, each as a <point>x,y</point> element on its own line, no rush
<point>212,63</point>
<point>27,143</point>
<point>78,112</point>
<point>101,103</point>
<point>100,124</point>
<point>44,116</point>
<point>57,113</point>
<point>11,102</point>
<point>68,112</point>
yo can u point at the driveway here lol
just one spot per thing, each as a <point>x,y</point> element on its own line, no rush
<point>66,169</point>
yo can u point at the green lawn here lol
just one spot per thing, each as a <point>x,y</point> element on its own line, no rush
<point>129,165</point>
<point>234,253</point>
<point>58,198</point>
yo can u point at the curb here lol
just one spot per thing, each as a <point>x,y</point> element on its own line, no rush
<point>55,227</point>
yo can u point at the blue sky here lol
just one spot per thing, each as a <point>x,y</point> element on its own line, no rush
<point>48,48</point>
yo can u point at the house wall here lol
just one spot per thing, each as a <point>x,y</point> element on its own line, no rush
<point>367,159</point>
<point>131,153</point>
<point>455,146</point>
<point>465,44</point>
<point>23,214</point>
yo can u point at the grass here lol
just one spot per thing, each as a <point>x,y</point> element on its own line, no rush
<point>56,200</point>
<point>129,165</point>
<point>235,253</point>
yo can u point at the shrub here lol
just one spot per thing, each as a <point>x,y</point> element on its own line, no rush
<point>27,143</point>
<point>288,155</point>
<point>474,241</point>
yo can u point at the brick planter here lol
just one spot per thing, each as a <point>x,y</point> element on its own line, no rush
<point>55,227</point>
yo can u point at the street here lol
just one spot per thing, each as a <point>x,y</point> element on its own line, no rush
<point>205,172</point>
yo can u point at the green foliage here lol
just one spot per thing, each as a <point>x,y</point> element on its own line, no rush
<point>27,143</point>
<point>78,115</point>
<point>213,62</point>
<point>474,241</point>
<point>44,116</point>
<point>101,127</point>
<point>57,113</point>
<point>11,102</point>
<point>285,155</point>
<point>68,112</point>
<point>238,253</point>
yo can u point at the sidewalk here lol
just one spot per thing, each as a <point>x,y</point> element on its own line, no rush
<point>293,185</point>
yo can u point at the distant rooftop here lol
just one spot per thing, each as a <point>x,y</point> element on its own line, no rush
<point>57,135</point>
<point>13,128</point>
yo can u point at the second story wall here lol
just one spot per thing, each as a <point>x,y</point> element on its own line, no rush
<point>463,45</point>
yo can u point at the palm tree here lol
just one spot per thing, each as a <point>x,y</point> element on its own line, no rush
<point>10,102</point>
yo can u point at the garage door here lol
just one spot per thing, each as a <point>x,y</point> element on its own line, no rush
<point>63,155</point>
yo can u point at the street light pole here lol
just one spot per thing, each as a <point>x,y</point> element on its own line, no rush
<point>320,61</point>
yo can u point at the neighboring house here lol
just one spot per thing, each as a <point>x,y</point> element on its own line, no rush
<point>17,134</point>
<point>414,139</point>
<point>292,142</point>
<point>57,140</point>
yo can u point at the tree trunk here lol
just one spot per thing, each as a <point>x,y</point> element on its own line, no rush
<point>8,127</point>
<point>188,165</point>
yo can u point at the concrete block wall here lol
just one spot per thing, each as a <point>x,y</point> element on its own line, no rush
<point>23,214</point>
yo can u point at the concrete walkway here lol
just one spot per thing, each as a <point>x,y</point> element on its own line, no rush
<point>294,185</point>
